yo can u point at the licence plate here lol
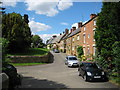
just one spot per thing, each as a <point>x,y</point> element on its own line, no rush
<point>97,76</point>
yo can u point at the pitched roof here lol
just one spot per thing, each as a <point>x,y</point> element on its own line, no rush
<point>75,32</point>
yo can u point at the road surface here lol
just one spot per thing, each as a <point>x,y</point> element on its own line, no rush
<point>56,75</point>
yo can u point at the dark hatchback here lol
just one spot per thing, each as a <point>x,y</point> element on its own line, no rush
<point>90,71</point>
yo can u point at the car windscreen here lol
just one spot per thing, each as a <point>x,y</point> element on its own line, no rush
<point>91,65</point>
<point>72,58</point>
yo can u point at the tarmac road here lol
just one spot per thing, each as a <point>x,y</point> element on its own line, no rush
<point>56,75</point>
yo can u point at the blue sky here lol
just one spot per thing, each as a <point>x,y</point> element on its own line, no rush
<point>50,18</point>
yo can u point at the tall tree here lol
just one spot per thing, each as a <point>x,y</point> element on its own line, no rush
<point>108,29</point>
<point>37,41</point>
<point>15,28</point>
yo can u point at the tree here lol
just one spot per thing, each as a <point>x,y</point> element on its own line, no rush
<point>80,51</point>
<point>108,29</point>
<point>37,41</point>
<point>16,30</point>
<point>3,48</point>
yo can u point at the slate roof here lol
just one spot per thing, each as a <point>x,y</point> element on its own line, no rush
<point>75,32</point>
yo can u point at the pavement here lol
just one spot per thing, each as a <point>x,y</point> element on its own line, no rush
<point>57,75</point>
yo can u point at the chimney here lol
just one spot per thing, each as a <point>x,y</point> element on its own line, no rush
<point>63,32</point>
<point>54,36</point>
<point>92,16</point>
<point>79,24</point>
<point>66,31</point>
<point>73,28</point>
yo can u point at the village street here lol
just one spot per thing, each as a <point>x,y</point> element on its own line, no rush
<point>56,75</point>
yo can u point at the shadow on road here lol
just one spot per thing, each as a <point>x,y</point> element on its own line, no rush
<point>30,82</point>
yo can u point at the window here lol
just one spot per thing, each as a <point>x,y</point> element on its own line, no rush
<point>73,39</point>
<point>78,37</point>
<point>94,50</point>
<point>84,28</point>
<point>88,35</point>
<point>72,48</point>
<point>84,38</point>
<point>94,22</point>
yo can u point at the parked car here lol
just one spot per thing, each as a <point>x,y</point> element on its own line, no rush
<point>56,51</point>
<point>91,71</point>
<point>71,61</point>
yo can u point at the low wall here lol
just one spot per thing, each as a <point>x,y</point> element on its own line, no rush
<point>49,58</point>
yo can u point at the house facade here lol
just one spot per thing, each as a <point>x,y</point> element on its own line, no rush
<point>81,36</point>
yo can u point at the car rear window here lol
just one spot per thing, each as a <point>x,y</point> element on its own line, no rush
<point>72,58</point>
<point>91,65</point>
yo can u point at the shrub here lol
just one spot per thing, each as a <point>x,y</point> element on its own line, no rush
<point>80,51</point>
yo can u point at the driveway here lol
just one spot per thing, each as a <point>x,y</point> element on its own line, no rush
<point>56,75</point>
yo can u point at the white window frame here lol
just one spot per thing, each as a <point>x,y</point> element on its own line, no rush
<point>94,22</point>
<point>84,28</point>
<point>78,37</point>
<point>73,39</point>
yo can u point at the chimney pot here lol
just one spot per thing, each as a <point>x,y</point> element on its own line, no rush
<point>74,28</point>
<point>92,16</point>
<point>79,24</point>
<point>66,31</point>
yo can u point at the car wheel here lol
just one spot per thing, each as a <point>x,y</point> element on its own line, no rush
<point>85,77</point>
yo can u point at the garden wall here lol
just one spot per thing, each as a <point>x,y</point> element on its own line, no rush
<point>49,58</point>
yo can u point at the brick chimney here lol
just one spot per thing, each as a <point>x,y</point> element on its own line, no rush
<point>79,24</point>
<point>66,31</point>
<point>73,28</point>
<point>54,36</point>
<point>92,16</point>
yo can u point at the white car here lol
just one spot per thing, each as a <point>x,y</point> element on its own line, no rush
<point>71,61</point>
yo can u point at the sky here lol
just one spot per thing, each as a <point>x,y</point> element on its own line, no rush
<point>52,18</point>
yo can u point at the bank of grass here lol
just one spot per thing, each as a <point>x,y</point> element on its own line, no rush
<point>115,80</point>
<point>26,64</point>
<point>31,52</point>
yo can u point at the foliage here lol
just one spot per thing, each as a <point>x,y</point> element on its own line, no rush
<point>83,58</point>
<point>80,51</point>
<point>107,32</point>
<point>16,30</point>
<point>3,47</point>
<point>116,61</point>
<point>37,41</point>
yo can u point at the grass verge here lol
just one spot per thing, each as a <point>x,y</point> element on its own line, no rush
<point>31,52</point>
<point>26,64</point>
<point>115,80</point>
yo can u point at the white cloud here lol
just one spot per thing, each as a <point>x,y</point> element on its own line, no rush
<point>64,23</point>
<point>45,37</point>
<point>64,4</point>
<point>45,8</point>
<point>10,2</point>
<point>36,26</point>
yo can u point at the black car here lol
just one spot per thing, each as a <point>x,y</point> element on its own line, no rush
<point>91,71</point>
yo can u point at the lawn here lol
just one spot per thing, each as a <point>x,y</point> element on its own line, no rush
<point>26,64</point>
<point>31,52</point>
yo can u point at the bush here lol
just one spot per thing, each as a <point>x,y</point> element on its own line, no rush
<point>80,51</point>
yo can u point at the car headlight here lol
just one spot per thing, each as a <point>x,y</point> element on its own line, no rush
<point>89,73</point>
<point>103,73</point>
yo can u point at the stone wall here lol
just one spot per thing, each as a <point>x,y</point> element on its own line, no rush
<point>49,58</point>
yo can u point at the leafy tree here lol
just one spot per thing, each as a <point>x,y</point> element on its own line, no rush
<point>107,31</point>
<point>80,51</point>
<point>3,48</point>
<point>37,41</point>
<point>15,29</point>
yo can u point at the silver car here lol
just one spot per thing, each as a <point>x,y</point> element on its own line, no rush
<point>71,61</point>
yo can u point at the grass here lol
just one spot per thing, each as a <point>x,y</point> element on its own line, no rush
<point>26,64</point>
<point>115,80</point>
<point>31,52</point>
